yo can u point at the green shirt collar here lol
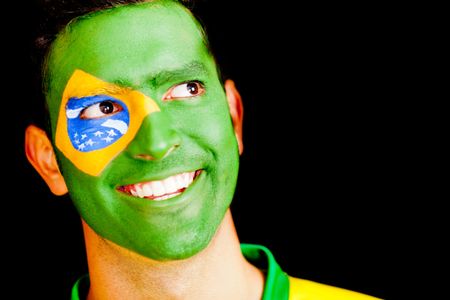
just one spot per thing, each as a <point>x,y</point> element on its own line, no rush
<point>276,286</point>
<point>277,282</point>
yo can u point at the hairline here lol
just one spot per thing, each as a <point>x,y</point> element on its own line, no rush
<point>92,14</point>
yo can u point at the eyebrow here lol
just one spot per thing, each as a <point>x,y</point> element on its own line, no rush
<point>188,71</point>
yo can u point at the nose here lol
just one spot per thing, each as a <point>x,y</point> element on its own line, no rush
<point>155,139</point>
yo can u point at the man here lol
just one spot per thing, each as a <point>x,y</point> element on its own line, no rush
<point>146,140</point>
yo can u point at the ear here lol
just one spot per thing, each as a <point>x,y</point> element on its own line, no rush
<point>40,154</point>
<point>236,110</point>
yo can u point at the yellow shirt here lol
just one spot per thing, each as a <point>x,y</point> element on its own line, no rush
<point>280,286</point>
<point>301,289</point>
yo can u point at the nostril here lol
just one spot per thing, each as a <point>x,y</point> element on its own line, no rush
<point>150,157</point>
<point>145,157</point>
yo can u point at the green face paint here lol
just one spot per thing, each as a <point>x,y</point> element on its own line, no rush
<point>156,49</point>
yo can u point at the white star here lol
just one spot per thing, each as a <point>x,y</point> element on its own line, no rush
<point>98,133</point>
<point>111,133</point>
<point>83,136</point>
<point>90,142</point>
<point>76,135</point>
<point>107,139</point>
<point>81,147</point>
<point>77,142</point>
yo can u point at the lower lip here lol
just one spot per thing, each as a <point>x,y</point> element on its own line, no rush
<point>166,196</point>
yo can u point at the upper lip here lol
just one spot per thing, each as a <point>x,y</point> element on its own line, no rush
<point>164,188</point>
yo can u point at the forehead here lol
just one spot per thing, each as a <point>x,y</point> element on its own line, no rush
<point>127,44</point>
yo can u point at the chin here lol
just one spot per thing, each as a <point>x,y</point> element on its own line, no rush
<point>179,250</point>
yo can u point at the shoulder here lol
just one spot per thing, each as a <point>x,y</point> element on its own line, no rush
<point>301,289</point>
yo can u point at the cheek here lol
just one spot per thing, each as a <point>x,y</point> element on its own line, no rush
<point>209,124</point>
<point>90,195</point>
<point>219,135</point>
<point>96,134</point>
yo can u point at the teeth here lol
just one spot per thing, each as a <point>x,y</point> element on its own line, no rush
<point>139,191</point>
<point>179,181</point>
<point>166,197</point>
<point>170,184</point>
<point>185,179</point>
<point>146,190</point>
<point>162,189</point>
<point>158,188</point>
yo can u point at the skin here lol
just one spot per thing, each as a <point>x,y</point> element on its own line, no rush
<point>151,51</point>
<point>218,272</point>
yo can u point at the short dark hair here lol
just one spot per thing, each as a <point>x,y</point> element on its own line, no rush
<point>54,15</point>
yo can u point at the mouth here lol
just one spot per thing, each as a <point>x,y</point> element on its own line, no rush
<point>159,190</point>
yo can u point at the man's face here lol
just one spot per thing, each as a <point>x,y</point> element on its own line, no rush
<point>142,129</point>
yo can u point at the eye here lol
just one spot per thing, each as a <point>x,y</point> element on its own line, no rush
<point>185,90</point>
<point>100,110</point>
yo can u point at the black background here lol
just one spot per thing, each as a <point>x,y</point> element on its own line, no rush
<point>322,164</point>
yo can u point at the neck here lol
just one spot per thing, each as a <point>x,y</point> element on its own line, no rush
<point>218,272</point>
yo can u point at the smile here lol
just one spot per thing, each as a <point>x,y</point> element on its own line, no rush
<point>161,189</point>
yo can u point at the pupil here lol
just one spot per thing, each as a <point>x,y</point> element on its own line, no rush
<point>192,88</point>
<point>106,107</point>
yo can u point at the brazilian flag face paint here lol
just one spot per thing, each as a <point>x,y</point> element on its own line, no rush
<point>142,129</point>
<point>94,121</point>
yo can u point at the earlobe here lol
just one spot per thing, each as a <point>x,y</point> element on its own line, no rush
<point>236,110</point>
<point>40,154</point>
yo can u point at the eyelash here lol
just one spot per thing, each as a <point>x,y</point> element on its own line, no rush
<point>199,85</point>
<point>90,112</point>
